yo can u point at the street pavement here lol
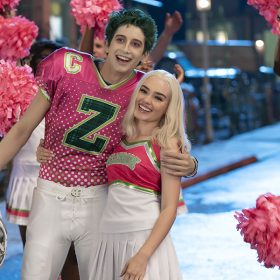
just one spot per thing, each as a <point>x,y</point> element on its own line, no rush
<point>232,174</point>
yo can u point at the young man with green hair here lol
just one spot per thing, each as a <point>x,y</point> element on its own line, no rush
<point>83,102</point>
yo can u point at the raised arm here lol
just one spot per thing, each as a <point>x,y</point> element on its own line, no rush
<point>170,191</point>
<point>22,130</point>
<point>86,44</point>
<point>172,24</point>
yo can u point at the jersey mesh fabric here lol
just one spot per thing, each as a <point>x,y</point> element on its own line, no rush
<point>83,123</point>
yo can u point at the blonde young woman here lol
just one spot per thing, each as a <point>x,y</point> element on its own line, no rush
<point>142,201</point>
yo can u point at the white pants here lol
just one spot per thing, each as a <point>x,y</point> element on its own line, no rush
<point>60,215</point>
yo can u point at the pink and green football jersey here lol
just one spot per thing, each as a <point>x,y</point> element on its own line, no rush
<point>83,122</point>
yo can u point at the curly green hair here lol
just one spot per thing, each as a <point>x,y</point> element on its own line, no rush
<point>134,17</point>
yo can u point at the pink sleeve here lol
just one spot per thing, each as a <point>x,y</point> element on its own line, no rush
<point>50,71</point>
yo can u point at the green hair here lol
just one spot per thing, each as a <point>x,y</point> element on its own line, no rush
<point>134,17</point>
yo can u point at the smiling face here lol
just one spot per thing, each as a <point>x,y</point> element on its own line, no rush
<point>126,49</point>
<point>152,100</point>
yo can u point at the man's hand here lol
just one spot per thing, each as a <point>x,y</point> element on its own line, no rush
<point>178,164</point>
<point>43,155</point>
<point>173,23</point>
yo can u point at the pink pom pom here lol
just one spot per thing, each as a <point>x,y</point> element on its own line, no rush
<point>264,3</point>
<point>257,3</point>
<point>16,37</point>
<point>94,13</point>
<point>18,87</point>
<point>269,10</point>
<point>260,227</point>
<point>8,3</point>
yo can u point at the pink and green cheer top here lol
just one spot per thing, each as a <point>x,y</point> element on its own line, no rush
<point>83,122</point>
<point>133,201</point>
<point>136,165</point>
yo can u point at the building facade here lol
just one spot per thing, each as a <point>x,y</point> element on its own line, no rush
<point>54,19</point>
<point>227,20</point>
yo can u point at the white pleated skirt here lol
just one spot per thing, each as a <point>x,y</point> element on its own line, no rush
<point>23,179</point>
<point>22,182</point>
<point>115,247</point>
<point>114,250</point>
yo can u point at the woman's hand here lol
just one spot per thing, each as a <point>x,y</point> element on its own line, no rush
<point>43,155</point>
<point>135,268</point>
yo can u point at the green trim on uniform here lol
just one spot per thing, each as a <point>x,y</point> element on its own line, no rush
<point>44,94</point>
<point>135,187</point>
<point>114,86</point>
<point>148,147</point>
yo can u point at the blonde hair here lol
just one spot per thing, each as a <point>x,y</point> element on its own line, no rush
<point>171,125</point>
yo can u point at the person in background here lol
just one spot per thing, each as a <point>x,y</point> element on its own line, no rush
<point>25,169</point>
<point>7,11</point>
<point>173,22</point>
<point>95,47</point>
<point>99,48</point>
<point>192,111</point>
<point>276,66</point>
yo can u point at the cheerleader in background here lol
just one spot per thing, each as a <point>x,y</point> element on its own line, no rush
<point>25,168</point>
<point>17,83</point>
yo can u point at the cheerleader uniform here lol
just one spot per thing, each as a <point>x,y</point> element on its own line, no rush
<point>23,179</point>
<point>132,208</point>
